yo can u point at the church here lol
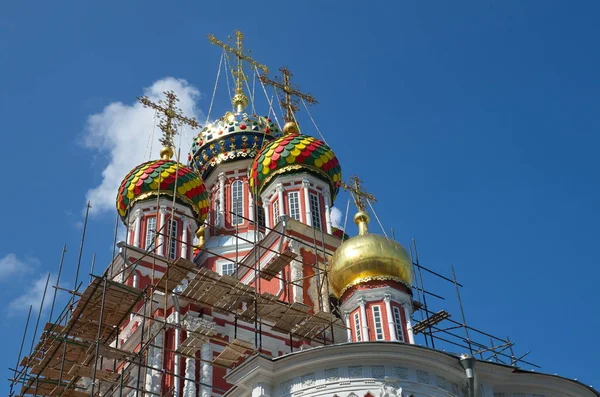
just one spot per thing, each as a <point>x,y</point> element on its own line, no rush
<point>233,281</point>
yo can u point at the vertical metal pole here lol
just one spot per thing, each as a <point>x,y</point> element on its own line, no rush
<point>60,266</point>
<point>137,386</point>
<point>37,323</point>
<point>512,353</point>
<point>92,267</point>
<point>20,350</point>
<point>87,211</point>
<point>99,337</point>
<point>462,311</point>
<point>115,240</point>
<point>121,382</point>
<point>423,290</point>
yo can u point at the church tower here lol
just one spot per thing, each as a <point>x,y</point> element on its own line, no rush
<point>162,202</point>
<point>371,275</point>
<point>296,175</point>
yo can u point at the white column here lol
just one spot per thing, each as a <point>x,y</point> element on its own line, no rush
<point>280,198</point>
<point>206,370</point>
<point>390,317</point>
<point>177,358</point>
<point>184,239</point>
<point>189,386</point>
<point>326,197</point>
<point>153,376</point>
<point>250,205</point>
<point>221,221</point>
<point>130,231</point>
<point>138,228</point>
<point>409,330</point>
<point>162,230</point>
<point>348,327</point>
<point>261,390</point>
<point>305,185</point>
<point>363,314</point>
<point>267,220</point>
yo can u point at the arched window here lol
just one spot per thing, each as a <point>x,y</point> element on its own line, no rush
<point>237,203</point>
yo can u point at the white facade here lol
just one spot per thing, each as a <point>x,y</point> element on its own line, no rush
<point>388,369</point>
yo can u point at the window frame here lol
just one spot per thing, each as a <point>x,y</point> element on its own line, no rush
<point>173,228</point>
<point>357,325</point>
<point>276,214</point>
<point>237,203</point>
<point>398,323</point>
<point>377,322</point>
<point>150,240</point>
<point>230,266</point>
<point>315,210</point>
<point>294,204</point>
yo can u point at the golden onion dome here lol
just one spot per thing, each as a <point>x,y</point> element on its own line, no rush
<point>368,257</point>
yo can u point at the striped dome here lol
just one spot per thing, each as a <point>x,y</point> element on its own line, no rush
<point>294,153</point>
<point>164,176</point>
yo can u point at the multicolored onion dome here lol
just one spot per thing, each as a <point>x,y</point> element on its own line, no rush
<point>294,153</point>
<point>235,136</point>
<point>143,182</point>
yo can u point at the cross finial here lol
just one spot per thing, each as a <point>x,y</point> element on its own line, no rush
<point>171,117</point>
<point>240,100</point>
<point>358,194</point>
<point>289,101</point>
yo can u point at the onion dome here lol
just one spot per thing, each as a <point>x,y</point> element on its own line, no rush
<point>368,257</point>
<point>293,153</point>
<point>163,177</point>
<point>233,137</point>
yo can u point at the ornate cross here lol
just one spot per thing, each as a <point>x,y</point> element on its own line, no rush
<point>289,102</point>
<point>358,193</point>
<point>239,99</point>
<point>171,117</point>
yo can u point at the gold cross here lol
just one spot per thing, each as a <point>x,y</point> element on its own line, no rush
<point>358,194</point>
<point>288,102</point>
<point>171,117</point>
<point>240,101</point>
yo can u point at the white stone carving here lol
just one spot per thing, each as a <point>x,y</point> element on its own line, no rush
<point>193,323</point>
<point>389,388</point>
<point>332,374</point>
<point>423,376</point>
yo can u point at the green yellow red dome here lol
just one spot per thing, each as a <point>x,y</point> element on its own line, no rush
<point>163,177</point>
<point>294,153</point>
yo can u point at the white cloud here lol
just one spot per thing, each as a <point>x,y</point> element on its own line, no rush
<point>336,217</point>
<point>32,296</point>
<point>11,265</point>
<point>122,133</point>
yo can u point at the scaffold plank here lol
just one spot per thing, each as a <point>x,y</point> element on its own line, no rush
<point>277,264</point>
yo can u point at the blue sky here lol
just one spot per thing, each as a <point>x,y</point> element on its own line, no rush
<point>474,124</point>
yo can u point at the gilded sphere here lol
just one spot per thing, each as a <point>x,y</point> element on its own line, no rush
<point>368,257</point>
<point>166,153</point>
<point>290,128</point>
